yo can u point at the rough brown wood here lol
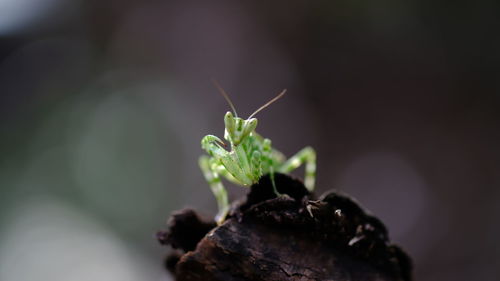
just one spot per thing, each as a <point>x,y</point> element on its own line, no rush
<point>287,238</point>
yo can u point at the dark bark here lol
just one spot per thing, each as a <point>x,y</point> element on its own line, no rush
<point>292,237</point>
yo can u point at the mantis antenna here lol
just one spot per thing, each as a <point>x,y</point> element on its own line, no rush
<point>225,95</point>
<point>268,103</point>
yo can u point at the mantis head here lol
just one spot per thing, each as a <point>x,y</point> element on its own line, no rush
<point>237,128</point>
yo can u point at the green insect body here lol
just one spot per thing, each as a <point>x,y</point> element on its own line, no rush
<point>250,156</point>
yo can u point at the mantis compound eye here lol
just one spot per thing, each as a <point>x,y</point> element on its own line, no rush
<point>229,122</point>
<point>250,126</point>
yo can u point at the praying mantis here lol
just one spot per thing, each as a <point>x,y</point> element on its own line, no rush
<point>250,156</point>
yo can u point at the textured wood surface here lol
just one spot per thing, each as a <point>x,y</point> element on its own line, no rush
<point>287,238</point>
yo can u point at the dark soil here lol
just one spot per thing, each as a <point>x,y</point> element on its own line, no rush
<point>292,237</point>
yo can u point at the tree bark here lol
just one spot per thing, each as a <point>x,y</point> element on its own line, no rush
<point>291,237</point>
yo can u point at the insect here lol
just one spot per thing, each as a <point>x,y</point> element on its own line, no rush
<point>248,157</point>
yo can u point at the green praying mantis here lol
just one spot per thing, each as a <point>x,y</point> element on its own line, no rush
<point>250,156</point>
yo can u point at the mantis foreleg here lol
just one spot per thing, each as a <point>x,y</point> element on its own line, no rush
<point>213,179</point>
<point>214,147</point>
<point>308,156</point>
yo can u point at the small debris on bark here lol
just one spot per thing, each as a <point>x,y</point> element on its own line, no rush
<point>291,237</point>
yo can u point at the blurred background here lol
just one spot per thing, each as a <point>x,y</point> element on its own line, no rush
<point>103,105</point>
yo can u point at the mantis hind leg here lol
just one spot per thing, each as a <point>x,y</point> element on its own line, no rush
<point>308,156</point>
<point>220,193</point>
